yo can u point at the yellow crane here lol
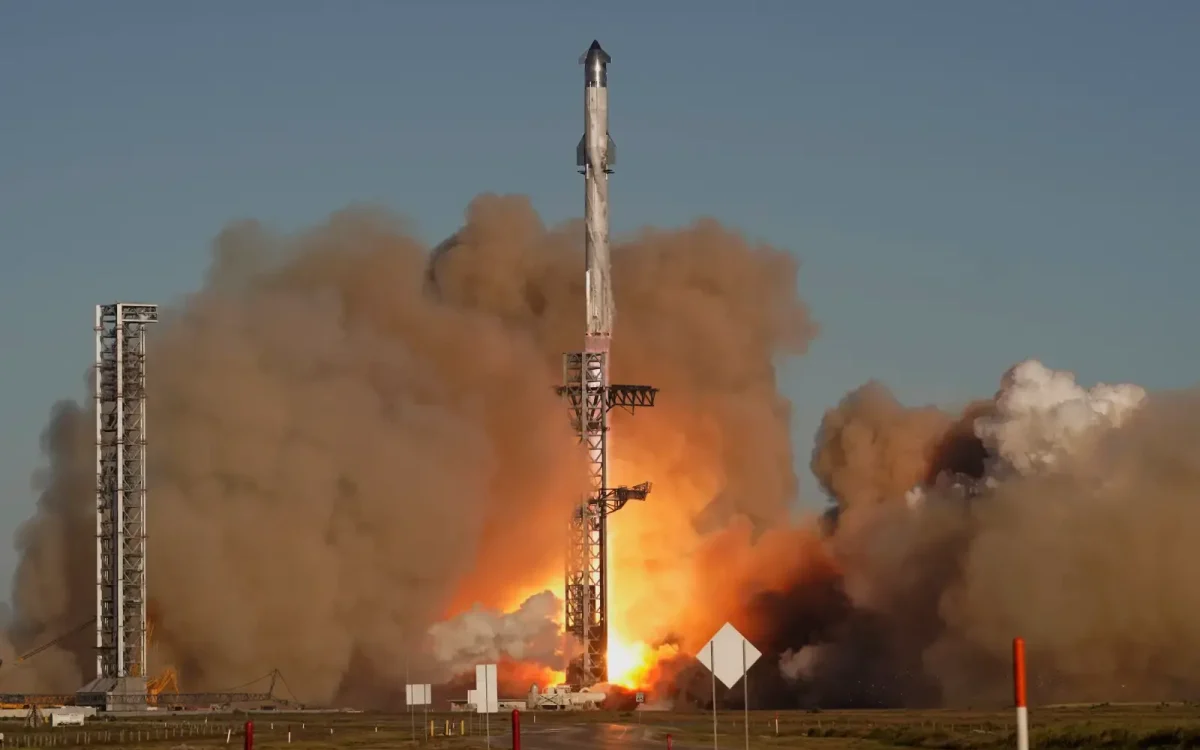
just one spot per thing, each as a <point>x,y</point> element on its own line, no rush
<point>168,680</point>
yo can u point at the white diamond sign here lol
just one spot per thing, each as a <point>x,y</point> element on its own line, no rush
<point>728,655</point>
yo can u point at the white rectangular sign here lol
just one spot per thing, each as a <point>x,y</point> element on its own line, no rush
<point>418,695</point>
<point>486,700</point>
<point>728,655</point>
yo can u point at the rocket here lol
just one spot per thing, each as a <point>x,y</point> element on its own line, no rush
<point>588,392</point>
<point>595,156</point>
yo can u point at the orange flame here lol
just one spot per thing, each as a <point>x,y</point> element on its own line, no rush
<point>668,579</point>
<point>631,663</point>
<point>652,578</point>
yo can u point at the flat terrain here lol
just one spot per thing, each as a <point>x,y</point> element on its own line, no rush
<point>1103,726</point>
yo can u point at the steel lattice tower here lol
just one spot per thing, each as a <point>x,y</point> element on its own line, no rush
<point>120,392</point>
<point>590,396</point>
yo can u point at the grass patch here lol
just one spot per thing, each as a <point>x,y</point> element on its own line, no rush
<point>1111,727</point>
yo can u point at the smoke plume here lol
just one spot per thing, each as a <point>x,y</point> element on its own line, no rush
<point>1068,525</point>
<point>352,442</point>
<point>481,636</point>
<point>360,471</point>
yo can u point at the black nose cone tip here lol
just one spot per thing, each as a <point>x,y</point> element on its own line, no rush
<point>597,52</point>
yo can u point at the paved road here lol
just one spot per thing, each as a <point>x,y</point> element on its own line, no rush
<point>587,737</point>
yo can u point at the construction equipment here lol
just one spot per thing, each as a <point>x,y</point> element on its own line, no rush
<point>167,682</point>
<point>34,719</point>
<point>163,689</point>
<point>33,701</point>
<point>30,654</point>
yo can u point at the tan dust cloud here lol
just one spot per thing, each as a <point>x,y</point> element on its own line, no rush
<point>872,449</point>
<point>349,445</point>
<point>1077,538</point>
<point>1094,564</point>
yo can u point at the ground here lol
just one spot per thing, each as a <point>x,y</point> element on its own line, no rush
<point>1103,726</point>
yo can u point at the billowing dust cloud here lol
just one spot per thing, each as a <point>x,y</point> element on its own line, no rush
<point>531,634</point>
<point>350,444</point>
<point>360,473</point>
<point>1070,524</point>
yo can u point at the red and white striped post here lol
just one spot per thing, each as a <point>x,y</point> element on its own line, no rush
<point>1019,693</point>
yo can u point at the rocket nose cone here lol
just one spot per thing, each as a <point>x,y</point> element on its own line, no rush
<point>596,52</point>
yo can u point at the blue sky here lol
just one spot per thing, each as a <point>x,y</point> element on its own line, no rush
<point>967,184</point>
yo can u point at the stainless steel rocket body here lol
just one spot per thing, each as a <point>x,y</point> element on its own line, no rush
<point>596,156</point>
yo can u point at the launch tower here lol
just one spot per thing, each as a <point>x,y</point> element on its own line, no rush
<point>120,393</point>
<point>590,396</point>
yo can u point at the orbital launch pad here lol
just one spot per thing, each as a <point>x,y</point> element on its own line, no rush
<point>120,405</point>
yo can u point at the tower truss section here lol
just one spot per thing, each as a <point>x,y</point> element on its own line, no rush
<point>589,399</point>
<point>120,406</point>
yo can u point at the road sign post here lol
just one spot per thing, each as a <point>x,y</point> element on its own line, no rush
<point>418,695</point>
<point>712,660</point>
<point>745,696</point>
<point>728,656</point>
<point>485,687</point>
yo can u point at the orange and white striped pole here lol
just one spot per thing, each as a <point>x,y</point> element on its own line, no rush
<point>1019,693</point>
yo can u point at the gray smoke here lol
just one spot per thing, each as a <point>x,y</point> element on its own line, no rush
<point>482,636</point>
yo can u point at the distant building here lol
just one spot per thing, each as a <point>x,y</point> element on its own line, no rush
<point>506,704</point>
<point>563,698</point>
